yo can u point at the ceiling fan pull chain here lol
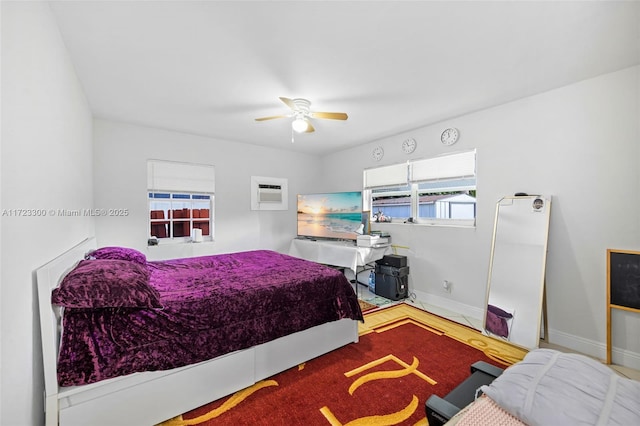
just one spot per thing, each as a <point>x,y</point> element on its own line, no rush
<point>292,134</point>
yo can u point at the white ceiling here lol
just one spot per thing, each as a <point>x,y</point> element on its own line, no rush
<point>211,67</point>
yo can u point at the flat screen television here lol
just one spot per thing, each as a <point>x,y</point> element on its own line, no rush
<point>331,215</point>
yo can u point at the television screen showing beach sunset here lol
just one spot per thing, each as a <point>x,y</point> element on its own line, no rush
<point>335,215</point>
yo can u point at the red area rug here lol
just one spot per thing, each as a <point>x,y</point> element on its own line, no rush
<point>385,378</point>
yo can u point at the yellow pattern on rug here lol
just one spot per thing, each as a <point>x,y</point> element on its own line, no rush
<point>233,400</point>
<point>407,369</point>
<point>387,419</point>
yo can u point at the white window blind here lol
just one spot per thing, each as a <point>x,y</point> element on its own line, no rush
<point>175,176</point>
<point>393,175</point>
<point>449,166</point>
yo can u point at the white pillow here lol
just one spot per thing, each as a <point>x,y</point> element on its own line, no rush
<point>553,388</point>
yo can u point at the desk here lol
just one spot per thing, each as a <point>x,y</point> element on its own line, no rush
<point>337,253</point>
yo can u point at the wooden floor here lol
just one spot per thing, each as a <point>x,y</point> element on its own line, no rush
<point>496,349</point>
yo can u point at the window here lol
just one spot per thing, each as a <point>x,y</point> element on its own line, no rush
<point>181,200</point>
<point>439,190</point>
<point>175,215</point>
<point>392,202</point>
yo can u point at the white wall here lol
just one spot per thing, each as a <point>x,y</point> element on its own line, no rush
<point>46,164</point>
<point>580,144</point>
<point>121,152</point>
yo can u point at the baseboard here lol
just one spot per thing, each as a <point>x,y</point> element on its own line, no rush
<point>619,356</point>
<point>448,304</point>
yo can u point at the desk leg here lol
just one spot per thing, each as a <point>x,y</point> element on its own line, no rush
<point>360,269</point>
<point>355,282</point>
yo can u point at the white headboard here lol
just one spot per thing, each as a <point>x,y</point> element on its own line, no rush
<point>49,276</point>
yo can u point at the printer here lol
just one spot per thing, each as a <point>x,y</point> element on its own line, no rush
<point>371,241</point>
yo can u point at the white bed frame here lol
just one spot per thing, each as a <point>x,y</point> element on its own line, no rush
<point>152,397</point>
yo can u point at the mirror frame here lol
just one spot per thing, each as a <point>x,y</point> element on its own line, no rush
<point>529,256</point>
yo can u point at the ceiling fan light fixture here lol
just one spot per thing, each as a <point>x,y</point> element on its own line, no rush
<point>302,115</point>
<point>300,125</point>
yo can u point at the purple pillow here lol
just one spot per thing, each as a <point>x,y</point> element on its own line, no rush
<point>106,283</point>
<point>496,324</point>
<point>118,253</point>
<point>499,312</point>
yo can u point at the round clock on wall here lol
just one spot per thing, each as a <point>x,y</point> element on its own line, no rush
<point>449,136</point>
<point>409,145</point>
<point>377,153</point>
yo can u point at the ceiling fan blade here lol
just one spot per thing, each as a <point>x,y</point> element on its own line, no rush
<point>310,128</point>
<point>288,102</point>
<point>272,117</point>
<point>330,115</point>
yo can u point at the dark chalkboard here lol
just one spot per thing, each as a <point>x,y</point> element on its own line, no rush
<point>623,286</point>
<point>624,279</point>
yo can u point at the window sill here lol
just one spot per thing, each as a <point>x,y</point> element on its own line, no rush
<point>399,222</point>
<point>187,241</point>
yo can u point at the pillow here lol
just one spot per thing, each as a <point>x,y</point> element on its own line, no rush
<point>497,325</point>
<point>499,312</point>
<point>553,388</point>
<point>106,283</point>
<point>119,253</point>
<point>496,321</point>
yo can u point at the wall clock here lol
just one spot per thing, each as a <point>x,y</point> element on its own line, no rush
<point>409,145</point>
<point>449,136</point>
<point>377,153</point>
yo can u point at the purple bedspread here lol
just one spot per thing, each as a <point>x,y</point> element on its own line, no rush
<point>212,305</point>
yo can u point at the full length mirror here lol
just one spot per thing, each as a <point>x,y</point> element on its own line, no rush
<point>515,285</point>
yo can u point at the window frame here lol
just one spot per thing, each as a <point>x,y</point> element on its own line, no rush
<point>413,191</point>
<point>170,221</point>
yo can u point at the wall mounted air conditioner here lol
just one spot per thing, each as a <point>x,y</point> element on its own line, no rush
<point>268,193</point>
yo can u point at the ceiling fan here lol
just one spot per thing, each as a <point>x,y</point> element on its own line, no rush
<point>302,113</point>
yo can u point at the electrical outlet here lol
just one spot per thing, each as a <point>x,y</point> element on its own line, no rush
<point>447,286</point>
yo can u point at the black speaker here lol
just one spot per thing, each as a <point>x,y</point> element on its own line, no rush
<point>394,260</point>
<point>390,270</point>
<point>392,287</point>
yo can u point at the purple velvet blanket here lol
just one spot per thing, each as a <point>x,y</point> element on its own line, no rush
<point>211,305</point>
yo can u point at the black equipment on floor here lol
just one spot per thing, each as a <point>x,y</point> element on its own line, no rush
<point>394,260</point>
<point>392,282</point>
<point>440,410</point>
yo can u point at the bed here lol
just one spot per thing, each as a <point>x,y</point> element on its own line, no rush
<point>118,352</point>
<point>549,387</point>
